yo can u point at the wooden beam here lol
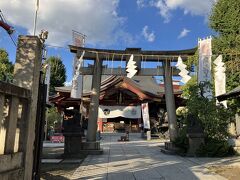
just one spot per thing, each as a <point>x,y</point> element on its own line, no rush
<point>2,124</point>
<point>90,54</point>
<point>13,90</point>
<point>11,125</point>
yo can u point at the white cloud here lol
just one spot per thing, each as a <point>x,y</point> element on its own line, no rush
<point>193,7</point>
<point>183,33</point>
<point>68,83</point>
<point>149,36</point>
<point>98,19</point>
<point>164,10</point>
<point>141,3</point>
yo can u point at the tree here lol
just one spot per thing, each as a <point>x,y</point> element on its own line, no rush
<point>58,72</point>
<point>54,118</point>
<point>6,67</point>
<point>225,20</point>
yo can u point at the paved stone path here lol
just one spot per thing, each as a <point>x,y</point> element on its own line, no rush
<point>141,160</point>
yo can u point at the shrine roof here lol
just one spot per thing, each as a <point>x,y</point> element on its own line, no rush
<point>146,84</point>
<point>231,94</point>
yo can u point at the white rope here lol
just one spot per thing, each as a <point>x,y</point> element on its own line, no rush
<point>121,64</point>
<point>112,64</point>
<point>158,67</point>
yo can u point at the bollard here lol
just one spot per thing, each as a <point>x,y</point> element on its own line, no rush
<point>148,135</point>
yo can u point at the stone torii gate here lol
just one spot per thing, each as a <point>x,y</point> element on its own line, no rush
<point>99,55</point>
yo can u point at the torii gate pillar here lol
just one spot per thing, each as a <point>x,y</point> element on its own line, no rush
<point>94,104</point>
<point>170,101</point>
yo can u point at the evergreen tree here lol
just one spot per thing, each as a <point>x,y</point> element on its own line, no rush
<point>6,67</point>
<point>58,72</point>
<point>225,20</point>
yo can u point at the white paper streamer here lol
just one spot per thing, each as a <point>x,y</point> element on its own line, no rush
<point>131,67</point>
<point>220,79</point>
<point>183,72</point>
<point>77,82</point>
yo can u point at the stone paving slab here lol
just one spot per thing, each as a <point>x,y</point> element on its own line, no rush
<point>140,160</point>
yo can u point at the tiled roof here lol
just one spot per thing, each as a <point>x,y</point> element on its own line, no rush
<point>146,84</point>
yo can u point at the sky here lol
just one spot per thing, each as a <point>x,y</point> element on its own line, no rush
<point>111,24</point>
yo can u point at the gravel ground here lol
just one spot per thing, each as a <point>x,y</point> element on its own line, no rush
<point>229,172</point>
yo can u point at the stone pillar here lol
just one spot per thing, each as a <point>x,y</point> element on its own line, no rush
<point>170,101</point>
<point>94,103</point>
<point>26,74</point>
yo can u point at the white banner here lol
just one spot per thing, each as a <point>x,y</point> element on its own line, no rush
<point>132,112</point>
<point>47,79</point>
<point>220,79</point>
<point>145,114</point>
<point>77,82</point>
<point>204,64</point>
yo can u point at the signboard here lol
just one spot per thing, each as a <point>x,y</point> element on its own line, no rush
<point>145,115</point>
<point>132,112</point>
<point>57,138</point>
<point>78,39</point>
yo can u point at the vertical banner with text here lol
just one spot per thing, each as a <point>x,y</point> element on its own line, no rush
<point>47,80</point>
<point>145,115</point>
<point>204,65</point>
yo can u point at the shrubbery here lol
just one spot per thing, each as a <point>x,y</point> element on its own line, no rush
<point>214,120</point>
<point>215,148</point>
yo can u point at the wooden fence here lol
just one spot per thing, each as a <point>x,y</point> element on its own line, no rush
<point>14,107</point>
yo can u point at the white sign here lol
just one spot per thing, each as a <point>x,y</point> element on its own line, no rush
<point>145,114</point>
<point>132,112</point>
<point>204,64</point>
<point>47,80</point>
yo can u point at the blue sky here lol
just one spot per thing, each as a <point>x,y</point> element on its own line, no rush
<point>113,24</point>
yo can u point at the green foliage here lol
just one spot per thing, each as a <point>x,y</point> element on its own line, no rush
<point>188,86</point>
<point>225,20</point>
<point>6,67</point>
<point>215,148</point>
<point>58,72</point>
<point>215,119</point>
<point>192,60</point>
<point>182,141</point>
<point>53,118</point>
